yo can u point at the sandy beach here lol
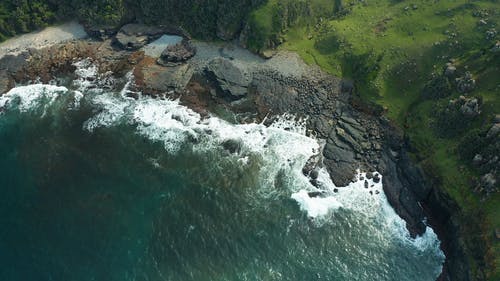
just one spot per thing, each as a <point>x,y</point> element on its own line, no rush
<point>43,38</point>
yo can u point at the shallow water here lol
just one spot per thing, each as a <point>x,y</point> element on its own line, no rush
<point>155,48</point>
<point>98,186</point>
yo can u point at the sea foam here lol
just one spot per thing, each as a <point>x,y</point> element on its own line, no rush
<point>282,148</point>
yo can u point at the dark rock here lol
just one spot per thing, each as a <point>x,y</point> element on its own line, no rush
<point>6,82</point>
<point>491,33</point>
<point>450,70</point>
<point>477,160</point>
<point>400,197</point>
<point>100,32</point>
<point>489,182</point>
<point>347,86</point>
<point>447,226</point>
<point>376,178</point>
<point>466,107</point>
<point>231,79</point>
<point>134,36</point>
<point>315,194</point>
<point>338,154</point>
<point>323,126</point>
<point>233,146</point>
<point>466,84</point>
<point>12,65</point>
<point>314,174</point>
<point>471,108</point>
<point>494,130</point>
<point>496,47</point>
<point>178,53</point>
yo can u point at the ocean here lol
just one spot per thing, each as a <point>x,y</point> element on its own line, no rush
<point>97,185</point>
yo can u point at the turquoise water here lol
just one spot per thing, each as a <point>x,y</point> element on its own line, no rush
<point>103,187</point>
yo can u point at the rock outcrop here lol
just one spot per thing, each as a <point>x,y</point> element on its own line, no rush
<point>134,36</point>
<point>231,80</point>
<point>177,54</point>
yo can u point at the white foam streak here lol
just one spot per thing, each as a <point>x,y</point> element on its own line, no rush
<point>315,207</point>
<point>26,98</point>
<point>367,198</point>
<point>282,150</point>
<point>282,147</point>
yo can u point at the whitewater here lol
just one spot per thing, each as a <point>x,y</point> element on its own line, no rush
<point>266,162</point>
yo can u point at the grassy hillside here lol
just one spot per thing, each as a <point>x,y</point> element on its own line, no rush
<point>396,52</point>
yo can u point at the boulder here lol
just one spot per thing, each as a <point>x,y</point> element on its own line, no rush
<point>232,146</point>
<point>100,32</point>
<point>449,70</point>
<point>230,78</point>
<point>134,36</point>
<point>464,106</point>
<point>496,47</point>
<point>489,182</point>
<point>477,160</point>
<point>471,108</point>
<point>347,86</point>
<point>6,82</point>
<point>491,33</point>
<point>466,84</point>
<point>494,130</point>
<point>157,79</point>
<point>177,54</point>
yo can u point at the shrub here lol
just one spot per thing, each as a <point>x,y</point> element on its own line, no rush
<point>436,88</point>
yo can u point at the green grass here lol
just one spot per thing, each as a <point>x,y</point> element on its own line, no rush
<point>390,52</point>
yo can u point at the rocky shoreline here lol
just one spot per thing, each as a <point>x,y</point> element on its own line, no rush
<point>210,76</point>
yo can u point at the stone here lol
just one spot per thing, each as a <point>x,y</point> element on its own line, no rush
<point>450,70</point>
<point>177,54</point>
<point>163,79</point>
<point>6,82</point>
<point>100,32</point>
<point>466,84</point>
<point>477,160</point>
<point>338,154</point>
<point>230,78</point>
<point>314,194</point>
<point>491,33</point>
<point>134,36</point>
<point>347,86</point>
<point>471,108</point>
<point>494,130</point>
<point>496,47</point>
<point>233,146</point>
<point>489,182</point>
